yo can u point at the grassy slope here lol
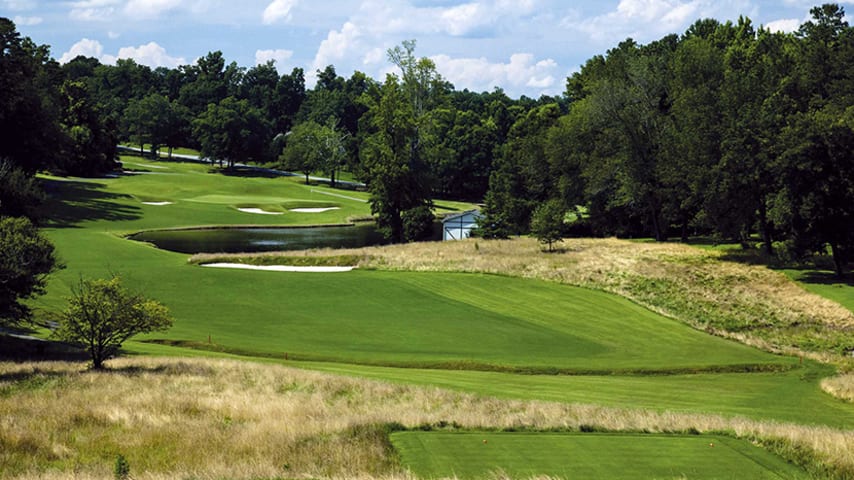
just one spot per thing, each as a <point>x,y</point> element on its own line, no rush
<point>590,456</point>
<point>249,310</point>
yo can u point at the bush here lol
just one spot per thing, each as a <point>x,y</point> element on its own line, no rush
<point>121,470</point>
<point>417,223</point>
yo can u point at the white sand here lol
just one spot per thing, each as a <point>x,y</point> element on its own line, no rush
<point>259,211</point>
<point>280,268</point>
<point>314,210</point>
<point>157,204</point>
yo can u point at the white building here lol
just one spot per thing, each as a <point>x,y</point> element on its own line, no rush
<point>459,226</point>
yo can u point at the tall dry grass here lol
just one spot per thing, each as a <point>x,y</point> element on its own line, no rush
<point>749,303</point>
<point>841,386</point>
<point>207,419</point>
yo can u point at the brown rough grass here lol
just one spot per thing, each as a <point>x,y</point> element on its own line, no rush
<point>841,387</point>
<point>749,303</point>
<point>210,419</point>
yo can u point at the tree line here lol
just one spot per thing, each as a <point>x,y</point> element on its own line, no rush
<point>726,130</point>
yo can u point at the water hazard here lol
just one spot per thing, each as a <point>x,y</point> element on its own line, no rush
<point>234,240</point>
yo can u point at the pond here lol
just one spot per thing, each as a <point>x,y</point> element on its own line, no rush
<point>234,240</point>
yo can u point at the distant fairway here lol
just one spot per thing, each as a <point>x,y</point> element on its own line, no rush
<point>588,456</point>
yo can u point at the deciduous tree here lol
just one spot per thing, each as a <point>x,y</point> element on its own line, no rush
<point>26,259</point>
<point>103,314</point>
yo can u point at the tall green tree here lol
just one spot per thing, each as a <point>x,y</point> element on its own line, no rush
<point>311,147</point>
<point>400,140</point>
<point>20,192</point>
<point>26,260</point>
<point>816,200</point>
<point>289,96</point>
<point>232,131</point>
<point>29,101</point>
<point>394,175</point>
<point>210,82</point>
<point>746,177</point>
<point>692,140</point>
<point>90,148</point>
<point>522,176</point>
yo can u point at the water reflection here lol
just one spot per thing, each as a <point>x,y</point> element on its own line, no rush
<point>235,240</point>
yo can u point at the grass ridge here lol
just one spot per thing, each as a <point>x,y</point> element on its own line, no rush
<point>467,365</point>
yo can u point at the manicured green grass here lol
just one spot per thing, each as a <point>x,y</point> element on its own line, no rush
<point>198,198</point>
<point>454,321</point>
<point>403,318</point>
<point>589,456</point>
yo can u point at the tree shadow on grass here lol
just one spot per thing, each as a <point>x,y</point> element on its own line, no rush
<point>168,369</point>
<point>250,172</point>
<point>72,202</point>
<point>18,349</point>
<point>813,276</point>
<point>816,271</point>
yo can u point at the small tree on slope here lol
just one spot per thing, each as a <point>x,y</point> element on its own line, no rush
<point>102,314</point>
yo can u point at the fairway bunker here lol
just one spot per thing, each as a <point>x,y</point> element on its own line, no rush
<point>259,211</point>
<point>314,210</point>
<point>157,204</point>
<point>280,268</point>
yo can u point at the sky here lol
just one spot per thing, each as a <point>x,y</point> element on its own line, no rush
<point>526,47</point>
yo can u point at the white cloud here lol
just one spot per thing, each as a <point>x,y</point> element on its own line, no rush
<point>93,10</point>
<point>645,20</point>
<point>27,21</point>
<point>336,46</point>
<point>86,48</point>
<point>278,10</point>
<point>788,25</point>
<point>523,71</point>
<point>462,18</point>
<point>478,16</point>
<point>280,56</point>
<point>374,56</point>
<point>150,54</point>
<point>18,5</point>
<point>362,41</point>
<point>144,9</point>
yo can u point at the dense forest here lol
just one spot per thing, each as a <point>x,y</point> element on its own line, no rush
<point>727,130</point>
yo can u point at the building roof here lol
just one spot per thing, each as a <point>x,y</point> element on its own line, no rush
<point>460,215</point>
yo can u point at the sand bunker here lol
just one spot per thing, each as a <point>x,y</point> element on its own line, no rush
<point>157,204</point>
<point>314,210</point>
<point>280,268</point>
<point>259,211</point>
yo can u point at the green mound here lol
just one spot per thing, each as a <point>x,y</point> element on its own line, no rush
<point>588,456</point>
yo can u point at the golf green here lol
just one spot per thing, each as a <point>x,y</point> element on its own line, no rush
<point>589,456</point>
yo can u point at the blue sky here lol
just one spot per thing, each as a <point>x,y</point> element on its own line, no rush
<point>524,46</point>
